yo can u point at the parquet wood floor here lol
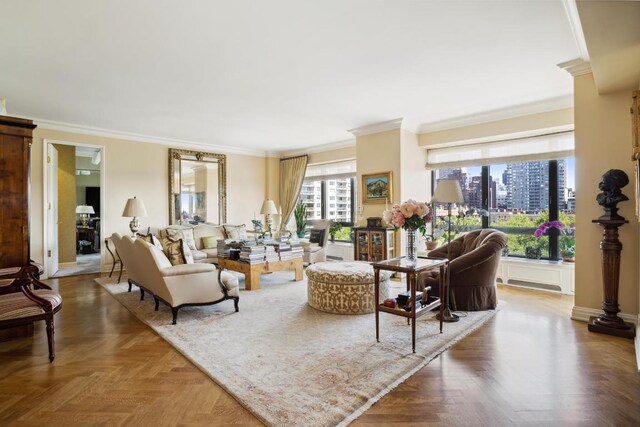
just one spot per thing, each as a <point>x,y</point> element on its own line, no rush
<point>530,365</point>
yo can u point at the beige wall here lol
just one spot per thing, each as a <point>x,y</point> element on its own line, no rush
<point>415,182</point>
<point>141,169</point>
<point>547,120</point>
<point>66,204</point>
<point>603,142</point>
<point>378,152</point>
<point>347,153</point>
<point>397,151</point>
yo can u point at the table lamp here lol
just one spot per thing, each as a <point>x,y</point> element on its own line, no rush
<point>84,211</point>
<point>268,209</point>
<point>134,209</point>
<point>448,191</point>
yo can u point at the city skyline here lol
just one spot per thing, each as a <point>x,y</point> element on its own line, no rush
<point>522,186</point>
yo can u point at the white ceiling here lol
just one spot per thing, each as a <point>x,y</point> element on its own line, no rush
<point>277,74</point>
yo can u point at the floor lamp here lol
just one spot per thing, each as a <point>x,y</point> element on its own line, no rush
<point>448,191</point>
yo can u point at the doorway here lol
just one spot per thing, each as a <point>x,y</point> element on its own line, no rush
<point>73,203</point>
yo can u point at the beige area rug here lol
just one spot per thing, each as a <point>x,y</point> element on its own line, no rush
<point>289,364</point>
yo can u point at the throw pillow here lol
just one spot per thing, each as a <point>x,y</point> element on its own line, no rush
<point>209,242</point>
<point>177,252</point>
<point>236,232</point>
<point>189,239</point>
<point>316,236</point>
<point>145,237</point>
<point>182,233</point>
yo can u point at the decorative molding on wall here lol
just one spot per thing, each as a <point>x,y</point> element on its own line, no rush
<point>551,104</point>
<point>576,67</point>
<point>130,136</point>
<point>320,148</point>
<point>583,313</point>
<point>377,127</point>
<point>571,8</point>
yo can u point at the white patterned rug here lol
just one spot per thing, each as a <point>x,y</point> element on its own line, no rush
<point>289,364</point>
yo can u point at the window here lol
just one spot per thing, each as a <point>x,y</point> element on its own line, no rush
<point>332,188</point>
<point>515,198</point>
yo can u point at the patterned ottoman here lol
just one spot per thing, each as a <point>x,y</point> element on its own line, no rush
<point>344,287</point>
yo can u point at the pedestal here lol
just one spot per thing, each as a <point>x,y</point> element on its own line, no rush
<point>610,248</point>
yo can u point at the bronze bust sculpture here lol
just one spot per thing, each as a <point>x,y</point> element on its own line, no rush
<point>610,184</point>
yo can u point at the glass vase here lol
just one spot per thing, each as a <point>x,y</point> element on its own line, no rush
<point>412,249</point>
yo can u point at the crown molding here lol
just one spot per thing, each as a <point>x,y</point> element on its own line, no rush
<point>377,127</point>
<point>576,67</point>
<point>348,143</point>
<point>130,136</point>
<point>571,9</point>
<point>551,104</point>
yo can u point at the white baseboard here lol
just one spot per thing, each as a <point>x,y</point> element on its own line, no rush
<point>67,264</point>
<point>583,313</point>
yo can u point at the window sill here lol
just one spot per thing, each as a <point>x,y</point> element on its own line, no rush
<point>349,244</point>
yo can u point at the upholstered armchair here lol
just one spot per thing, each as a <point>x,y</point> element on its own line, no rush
<point>474,263</point>
<point>24,299</point>
<point>320,235</point>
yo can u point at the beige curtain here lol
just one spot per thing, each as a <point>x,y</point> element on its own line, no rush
<point>292,172</point>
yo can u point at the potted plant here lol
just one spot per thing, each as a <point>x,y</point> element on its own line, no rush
<point>300,213</point>
<point>333,229</point>
<point>567,238</point>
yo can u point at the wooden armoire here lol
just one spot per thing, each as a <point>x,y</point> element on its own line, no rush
<point>16,136</point>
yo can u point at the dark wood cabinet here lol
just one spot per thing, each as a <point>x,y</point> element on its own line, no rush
<point>374,244</point>
<point>15,145</point>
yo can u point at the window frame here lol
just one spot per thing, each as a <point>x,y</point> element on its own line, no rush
<point>554,211</point>
<point>323,202</point>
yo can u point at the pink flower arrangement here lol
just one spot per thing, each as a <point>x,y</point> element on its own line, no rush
<point>410,215</point>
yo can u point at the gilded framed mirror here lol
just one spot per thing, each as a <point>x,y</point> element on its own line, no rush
<point>197,187</point>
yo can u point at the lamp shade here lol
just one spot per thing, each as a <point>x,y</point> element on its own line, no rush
<point>268,207</point>
<point>84,209</point>
<point>448,191</point>
<point>134,208</point>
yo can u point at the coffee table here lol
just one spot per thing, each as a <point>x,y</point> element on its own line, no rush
<point>252,272</point>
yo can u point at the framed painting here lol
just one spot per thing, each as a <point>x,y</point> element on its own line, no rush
<point>377,188</point>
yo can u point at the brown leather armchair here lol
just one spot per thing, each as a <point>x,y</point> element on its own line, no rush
<point>474,263</point>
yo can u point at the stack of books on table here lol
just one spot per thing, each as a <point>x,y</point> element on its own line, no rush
<point>289,251</point>
<point>252,253</point>
<point>270,253</point>
<point>225,246</point>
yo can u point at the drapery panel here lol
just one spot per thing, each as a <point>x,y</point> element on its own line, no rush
<point>292,172</point>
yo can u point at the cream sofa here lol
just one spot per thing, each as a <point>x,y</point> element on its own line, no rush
<point>175,285</point>
<point>201,254</point>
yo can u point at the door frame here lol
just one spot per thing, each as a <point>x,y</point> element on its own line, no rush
<point>45,198</point>
<point>52,219</point>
